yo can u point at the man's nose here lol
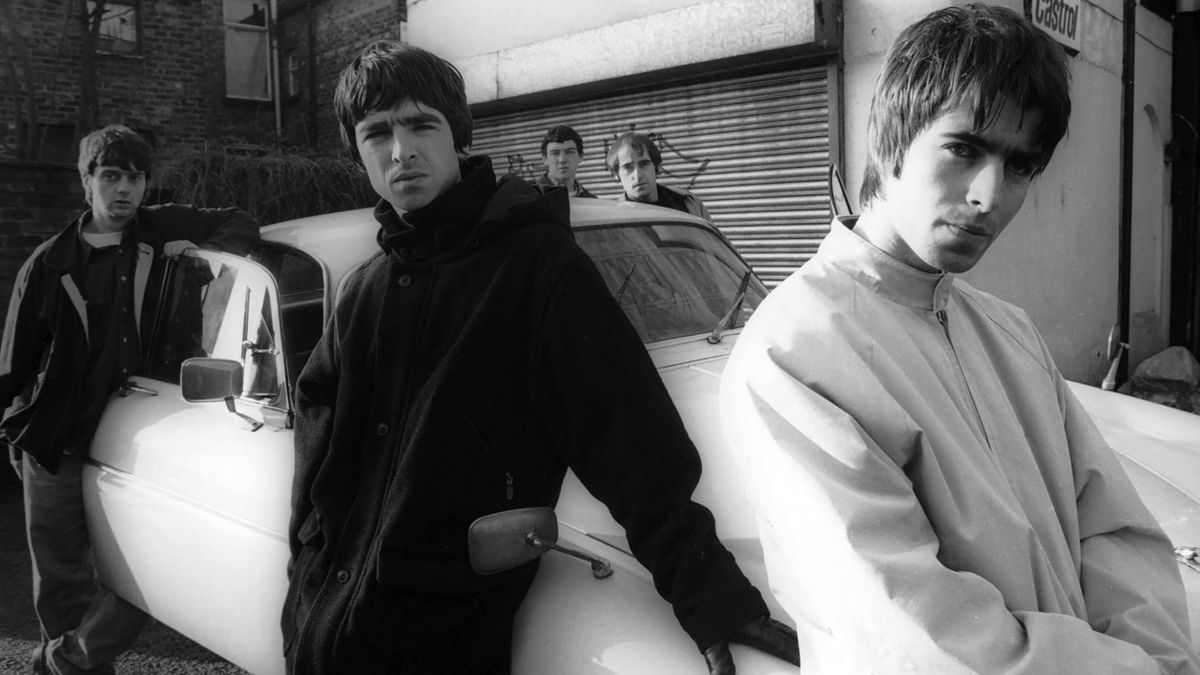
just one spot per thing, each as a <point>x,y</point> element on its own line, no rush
<point>402,148</point>
<point>987,185</point>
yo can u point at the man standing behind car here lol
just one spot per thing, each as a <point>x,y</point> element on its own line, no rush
<point>635,161</point>
<point>931,496</point>
<point>562,151</point>
<point>73,334</point>
<point>468,364</point>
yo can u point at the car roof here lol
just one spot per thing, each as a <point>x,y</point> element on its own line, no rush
<point>343,239</point>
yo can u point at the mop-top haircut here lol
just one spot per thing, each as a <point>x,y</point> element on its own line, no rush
<point>385,74</point>
<point>114,145</point>
<point>636,142</point>
<point>978,56</point>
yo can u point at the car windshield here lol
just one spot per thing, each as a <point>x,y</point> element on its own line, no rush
<point>671,279</point>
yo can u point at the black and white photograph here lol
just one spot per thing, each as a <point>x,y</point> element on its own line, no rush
<point>555,337</point>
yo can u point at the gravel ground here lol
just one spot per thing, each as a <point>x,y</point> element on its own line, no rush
<point>159,650</point>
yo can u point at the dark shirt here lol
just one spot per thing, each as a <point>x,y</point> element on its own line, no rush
<point>671,200</point>
<point>543,184</point>
<point>107,288</point>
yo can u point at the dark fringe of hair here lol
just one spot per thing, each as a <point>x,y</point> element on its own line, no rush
<point>387,73</point>
<point>561,133</point>
<point>978,56</point>
<point>633,140</point>
<point>115,145</point>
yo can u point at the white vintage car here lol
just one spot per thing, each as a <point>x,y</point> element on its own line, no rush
<point>188,501</point>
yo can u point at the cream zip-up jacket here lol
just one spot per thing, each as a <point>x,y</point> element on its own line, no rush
<point>932,499</point>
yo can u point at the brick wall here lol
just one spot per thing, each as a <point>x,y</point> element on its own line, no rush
<point>341,29</point>
<point>174,87</point>
<point>36,201</point>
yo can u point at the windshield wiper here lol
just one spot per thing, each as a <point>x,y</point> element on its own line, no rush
<point>625,284</point>
<point>730,319</point>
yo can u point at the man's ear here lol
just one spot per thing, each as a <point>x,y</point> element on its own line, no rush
<point>87,188</point>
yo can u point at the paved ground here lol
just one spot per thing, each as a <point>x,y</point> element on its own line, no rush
<point>159,651</point>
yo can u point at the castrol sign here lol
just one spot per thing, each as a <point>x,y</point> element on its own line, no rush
<point>1059,18</point>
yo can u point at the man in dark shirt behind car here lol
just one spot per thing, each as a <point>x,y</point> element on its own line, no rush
<point>635,161</point>
<point>468,364</point>
<point>562,151</point>
<point>74,333</point>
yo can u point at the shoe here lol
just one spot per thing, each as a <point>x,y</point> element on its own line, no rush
<point>40,666</point>
<point>38,660</point>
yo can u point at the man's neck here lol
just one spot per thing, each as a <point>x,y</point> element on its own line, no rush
<point>104,225</point>
<point>875,225</point>
<point>651,198</point>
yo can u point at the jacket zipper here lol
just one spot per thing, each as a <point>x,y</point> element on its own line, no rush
<point>944,321</point>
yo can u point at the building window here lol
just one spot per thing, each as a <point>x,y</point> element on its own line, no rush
<point>50,142</point>
<point>118,27</point>
<point>293,74</point>
<point>246,50</point>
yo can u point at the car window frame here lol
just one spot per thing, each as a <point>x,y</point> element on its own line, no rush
<point>283,401</point>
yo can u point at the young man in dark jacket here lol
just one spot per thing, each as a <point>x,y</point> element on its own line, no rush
<point>473,360</point>
<point>73,335</point>
<point>562,151</point>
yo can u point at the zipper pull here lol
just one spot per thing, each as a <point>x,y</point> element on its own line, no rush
<point>941,316</point>
<point>508,486</point>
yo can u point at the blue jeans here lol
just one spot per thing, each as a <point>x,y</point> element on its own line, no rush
<point>84,625</point>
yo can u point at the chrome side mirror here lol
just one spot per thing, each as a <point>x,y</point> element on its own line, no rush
<point>502,541</point>
<point>203,379</point>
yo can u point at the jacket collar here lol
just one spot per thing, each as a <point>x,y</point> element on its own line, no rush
<point>684,196</point>
<point>473,209</point>
<point>444,223</point>
<point>543,181</point>
<point>883,274</point>
<point>69,250</point>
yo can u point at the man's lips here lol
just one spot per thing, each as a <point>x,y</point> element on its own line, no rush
<point>406,176</point>
<point>970,229</point>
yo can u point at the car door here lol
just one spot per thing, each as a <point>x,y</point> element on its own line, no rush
<point>188,502</point>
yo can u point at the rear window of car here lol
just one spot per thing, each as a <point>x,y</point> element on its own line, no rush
<point>671,279</point>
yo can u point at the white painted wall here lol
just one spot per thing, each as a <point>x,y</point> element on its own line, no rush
<point>1151,238</point>
<point>508,48</point>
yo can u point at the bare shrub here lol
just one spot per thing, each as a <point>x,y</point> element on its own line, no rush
<point>271,184</point>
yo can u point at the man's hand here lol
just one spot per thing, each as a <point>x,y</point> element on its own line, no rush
<point>173,249</point>
<point>766,634</point>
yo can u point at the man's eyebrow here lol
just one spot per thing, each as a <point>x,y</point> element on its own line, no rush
<point>1009,151</point>
<point>411,119</point>
<point>126,172</point>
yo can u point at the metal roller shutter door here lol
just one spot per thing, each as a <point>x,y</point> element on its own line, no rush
<point>754,149</point>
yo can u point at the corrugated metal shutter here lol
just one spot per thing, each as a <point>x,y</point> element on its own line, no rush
<point>754,149</point>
